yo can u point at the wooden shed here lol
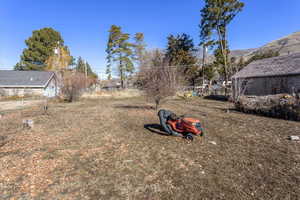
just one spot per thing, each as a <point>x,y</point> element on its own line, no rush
<point>269,76</point>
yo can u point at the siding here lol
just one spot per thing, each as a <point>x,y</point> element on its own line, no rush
<point>294,81</point>
<point>21,91</point>
<point>267,85</point>
<point>49,91</point>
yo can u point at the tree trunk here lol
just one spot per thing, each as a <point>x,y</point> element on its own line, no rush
<point>121,71</point>
<point>225,62</point>
<point>203,63</point>
<point>224,53</point>
<point>193,84</point>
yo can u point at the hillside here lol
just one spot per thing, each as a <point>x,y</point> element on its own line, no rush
<point>287,45</point>
<point>241,52</point>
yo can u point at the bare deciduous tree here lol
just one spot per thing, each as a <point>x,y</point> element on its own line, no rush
<point>159,82</point>
<point>73,85</point>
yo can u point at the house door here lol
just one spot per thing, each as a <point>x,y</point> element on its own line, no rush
<point>49,91</point>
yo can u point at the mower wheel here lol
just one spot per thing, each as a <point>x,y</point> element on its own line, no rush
<point>189,137</point>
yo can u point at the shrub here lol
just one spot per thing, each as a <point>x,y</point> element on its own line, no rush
<point>73,85</point>
<point>159,83</point>
<point>279,106</point>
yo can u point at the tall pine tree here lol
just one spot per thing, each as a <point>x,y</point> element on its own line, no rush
<point>80,66</point>
<point>84,67</point>
<point>139,48</point>
<point>40,46</point>
<point>215,18</point>
<point>181,52</point>
<point>119,53</point>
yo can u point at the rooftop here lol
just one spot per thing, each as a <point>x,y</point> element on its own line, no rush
<point>10,78</point>
<point>276,66</point>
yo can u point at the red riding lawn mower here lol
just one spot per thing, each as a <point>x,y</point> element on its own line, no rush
<point>180,126</point>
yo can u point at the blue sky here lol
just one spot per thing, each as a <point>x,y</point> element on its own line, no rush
<point>84,24</point>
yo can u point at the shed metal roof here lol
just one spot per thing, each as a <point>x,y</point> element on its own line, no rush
<point>276,66</point>
<point>10,78</point>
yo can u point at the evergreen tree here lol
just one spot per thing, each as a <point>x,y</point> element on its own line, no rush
<point>120,53</point>
<point>73,62</point>
<point>109,57</point>
<point>90,71</point>
<point>139,47</point>
<point>19,67</point>
<point>40,46</point>
<point>221,63</point>
<point>209,72</point>
<point>233,68</point>
<point>181,52</point>
<point>80,66</point>
<point>84,67</point>
<point>216,15</point>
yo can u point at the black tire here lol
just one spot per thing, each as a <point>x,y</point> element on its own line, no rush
<point>189,137</point>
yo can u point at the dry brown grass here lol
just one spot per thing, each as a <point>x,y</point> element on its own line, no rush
<point>99,149</point>
<point>16,97</point>
<point>117,94</point>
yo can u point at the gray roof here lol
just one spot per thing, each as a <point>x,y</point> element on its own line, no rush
<point>9,78</point>
<point>276,66</point>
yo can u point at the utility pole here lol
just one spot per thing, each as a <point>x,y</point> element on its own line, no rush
<point>85,69</point>
<point>203,64</point>
<point>57,57</point>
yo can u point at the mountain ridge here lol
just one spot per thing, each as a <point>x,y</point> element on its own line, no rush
<point>289,44</point>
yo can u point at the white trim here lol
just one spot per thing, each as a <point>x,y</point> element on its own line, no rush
<point>53,74</point>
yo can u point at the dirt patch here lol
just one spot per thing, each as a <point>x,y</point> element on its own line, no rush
<point>109,149</point>
<point>14,105</point>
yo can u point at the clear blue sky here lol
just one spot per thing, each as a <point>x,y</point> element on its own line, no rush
<point>84,24</point>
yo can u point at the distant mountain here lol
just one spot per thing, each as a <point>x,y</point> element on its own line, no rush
<point>241,52</point>
<point>233,53</point>
<point>286,45</point>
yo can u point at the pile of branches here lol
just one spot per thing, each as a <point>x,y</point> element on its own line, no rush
<point>279,106</point>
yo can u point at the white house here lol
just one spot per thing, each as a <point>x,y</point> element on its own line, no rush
<point>32,83</point>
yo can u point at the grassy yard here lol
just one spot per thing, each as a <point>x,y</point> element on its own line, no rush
<point>102,149</point>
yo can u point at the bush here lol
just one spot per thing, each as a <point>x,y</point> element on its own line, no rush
<point>159,83</point>
<point>73,85</point>
<point>279,106</point>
